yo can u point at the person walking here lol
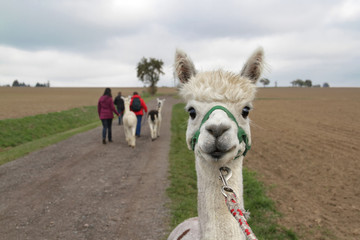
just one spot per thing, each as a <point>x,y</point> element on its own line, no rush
<point>106,109</point>
<point>138,106</point>
<point>119,102</point>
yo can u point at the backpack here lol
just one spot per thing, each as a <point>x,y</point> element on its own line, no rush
<point>136,105</point>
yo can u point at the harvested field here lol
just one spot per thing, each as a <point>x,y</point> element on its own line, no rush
<point>306,150</point>
<point>19,102</point>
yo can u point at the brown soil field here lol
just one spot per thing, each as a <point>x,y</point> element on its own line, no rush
<point>17,102</point>
<point>305,148</point>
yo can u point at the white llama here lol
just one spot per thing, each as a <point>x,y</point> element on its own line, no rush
<point>154,119</point>
<point>218,131</point>
<point>129,122</point>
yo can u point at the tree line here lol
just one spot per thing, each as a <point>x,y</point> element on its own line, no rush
<point>307,83</point>
<point>16,83</point>
<point>296,83</point>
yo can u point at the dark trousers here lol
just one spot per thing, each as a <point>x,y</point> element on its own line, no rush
<point>138,126</point>
<point>120,116</point>
<point>107,123</point>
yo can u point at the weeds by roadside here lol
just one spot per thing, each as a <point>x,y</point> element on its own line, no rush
<point>19,137</point>
<point>14,132</point>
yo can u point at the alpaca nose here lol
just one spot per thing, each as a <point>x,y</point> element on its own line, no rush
<point>217,129</point>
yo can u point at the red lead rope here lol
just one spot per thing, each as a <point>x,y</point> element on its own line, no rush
<point>234,208</point>
<point>233,205</point>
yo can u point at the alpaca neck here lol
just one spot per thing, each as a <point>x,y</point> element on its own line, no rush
<point>215,220</point>
<point>127,107</point>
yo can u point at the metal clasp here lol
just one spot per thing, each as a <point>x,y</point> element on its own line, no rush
<point>224,178</point>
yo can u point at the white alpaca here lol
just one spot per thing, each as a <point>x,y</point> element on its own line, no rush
<point>129,122</point>
<point>154,119</point>
<point>220,141</point>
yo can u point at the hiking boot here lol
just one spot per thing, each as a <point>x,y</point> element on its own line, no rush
<point>104,141</point>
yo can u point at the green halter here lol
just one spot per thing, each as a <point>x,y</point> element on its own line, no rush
<point>241,133</point>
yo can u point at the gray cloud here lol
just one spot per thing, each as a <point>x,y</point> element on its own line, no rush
<point>93,42</point>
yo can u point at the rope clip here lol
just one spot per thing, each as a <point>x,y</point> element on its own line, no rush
<point>224,178</point>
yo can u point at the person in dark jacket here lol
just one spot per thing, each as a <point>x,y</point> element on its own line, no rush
<point>119,102</point>
<point>139,113</point>
<point>106,110</point>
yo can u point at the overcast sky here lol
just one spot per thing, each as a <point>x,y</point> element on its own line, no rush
<point>98,43</point>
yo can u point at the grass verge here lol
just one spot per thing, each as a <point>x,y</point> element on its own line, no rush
<point>183,190</point>
<point>21,150</point>
<point>19,137</point>
<point>15,132</point>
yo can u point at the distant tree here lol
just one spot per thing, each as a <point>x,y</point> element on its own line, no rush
<point>265,81</point>
<point>298,82</point>
<point>148,71</point>
<point>42,84</point>
<point>16,83</point>
<point>308,83</point>
<point>326,85</point>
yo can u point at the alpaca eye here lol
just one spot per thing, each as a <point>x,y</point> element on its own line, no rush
<point>245,112</point>
<point>192,113</point>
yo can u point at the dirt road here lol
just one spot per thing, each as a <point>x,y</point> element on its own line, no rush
<point>82,189</point>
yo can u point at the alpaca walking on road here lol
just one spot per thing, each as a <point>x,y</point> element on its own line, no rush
<point>218,103</point>
<point>130,122</point>
<point>154,119</point>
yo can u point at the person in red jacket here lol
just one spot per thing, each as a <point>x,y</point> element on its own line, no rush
<point>137,105</point>
<point>105,110</point>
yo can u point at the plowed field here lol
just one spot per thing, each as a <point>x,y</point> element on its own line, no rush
<point>306,149</point>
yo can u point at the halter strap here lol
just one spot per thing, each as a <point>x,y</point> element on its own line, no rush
<point>241,133</point>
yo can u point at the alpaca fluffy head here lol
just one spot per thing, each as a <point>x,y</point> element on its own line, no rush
<point>219,85</point>
<point>204,90</point>
<point>160,102</point>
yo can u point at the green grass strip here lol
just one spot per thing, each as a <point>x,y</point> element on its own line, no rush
<point>15,132</point>
<point>22,150</point>
<point>183,189</point>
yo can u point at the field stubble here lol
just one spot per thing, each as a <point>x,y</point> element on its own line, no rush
<point>306,149</point>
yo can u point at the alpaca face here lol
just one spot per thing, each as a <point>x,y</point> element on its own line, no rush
<point>218,140</point>
<point>126,102</point>
<point>160,102</point>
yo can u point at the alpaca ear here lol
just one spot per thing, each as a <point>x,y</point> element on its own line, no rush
<point>184,67</point>
<point>254,66</point>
